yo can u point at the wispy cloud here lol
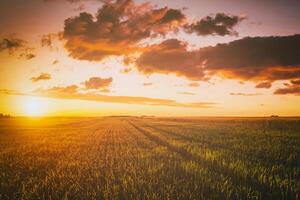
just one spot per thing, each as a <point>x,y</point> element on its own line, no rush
<point>186,93</point>
<point>244,94</point>
<point>71,92</point>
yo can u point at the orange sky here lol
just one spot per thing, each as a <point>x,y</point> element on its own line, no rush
<point>90,58</point>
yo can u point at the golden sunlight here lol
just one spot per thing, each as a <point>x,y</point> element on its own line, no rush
<point>34,106</point>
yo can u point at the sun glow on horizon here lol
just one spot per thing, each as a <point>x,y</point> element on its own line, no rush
<point>34,106</point>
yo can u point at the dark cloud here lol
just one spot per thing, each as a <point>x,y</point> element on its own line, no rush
<point>261,58</point>
<point>172,15</point>
<point>171,56</point>
<point>292,88</point>
<point>295,90</point>
<point>219,24</point>
<point>42,76</point>
<point>117,29</point>
<point>295,82</point>
<point>12,45</point>
<point>249,59</point>
<point>265,84</point>
<point>97,83</point>
<point>244,94</point>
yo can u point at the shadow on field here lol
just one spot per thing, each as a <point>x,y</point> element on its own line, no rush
<point>212,146</point>
<point>266,192</point>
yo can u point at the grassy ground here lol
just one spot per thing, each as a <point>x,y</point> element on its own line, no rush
<point>150,158</point>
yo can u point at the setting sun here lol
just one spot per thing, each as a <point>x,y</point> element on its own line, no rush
<point>33,106</point>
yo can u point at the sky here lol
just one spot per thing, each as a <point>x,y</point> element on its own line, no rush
<point>162,58</point>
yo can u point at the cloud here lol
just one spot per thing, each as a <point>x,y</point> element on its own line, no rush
<point>12,45</point>
<point>257,58</point>
<point>11,92</point>
<point>125,70</point>
<point>63,93</point>
<point>97,83</point>
<point>71,92</point>
<point>73,1</point>
<point>105,90</point>
<point>120,27</point>
<point>117,29</point>
<point>30,56</point>
<point>194,84</point>
<point>219,24</point>
<point>57,90</point>
<point>172,15</point>
<point>48,40</point>
<point>147,84</point>
<point>265,84</point>
<point>171,56</point>
<point>42,76</point>
<point>288,90</point>
<point>292,88</point>
<point>295,82</point>
<point>55,62</point>
<point>186,93</point>
<point>244,94</point>
<point>248,59</point>
<point>27,55</point>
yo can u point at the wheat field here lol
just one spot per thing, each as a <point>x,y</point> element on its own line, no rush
<point>149,158</point>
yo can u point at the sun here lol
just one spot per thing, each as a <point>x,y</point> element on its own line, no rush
<point>33,106</point>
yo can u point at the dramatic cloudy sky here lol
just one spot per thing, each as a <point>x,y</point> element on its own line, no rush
<point>125,57</point>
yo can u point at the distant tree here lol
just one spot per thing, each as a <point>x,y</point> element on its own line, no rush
<point>4,116</point>
<point>274,116</point>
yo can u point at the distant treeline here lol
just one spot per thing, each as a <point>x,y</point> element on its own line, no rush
<point>4,116</point>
